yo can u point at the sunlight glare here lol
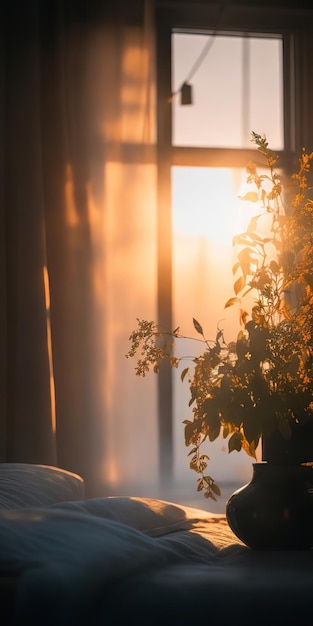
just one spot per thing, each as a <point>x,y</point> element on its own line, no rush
<point>205,204</point>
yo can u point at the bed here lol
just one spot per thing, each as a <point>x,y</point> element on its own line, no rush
<point>121,560</point>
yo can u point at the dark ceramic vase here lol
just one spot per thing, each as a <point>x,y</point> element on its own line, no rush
<point>274,511</point>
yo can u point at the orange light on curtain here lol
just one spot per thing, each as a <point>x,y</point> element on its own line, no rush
<point>49,347</point>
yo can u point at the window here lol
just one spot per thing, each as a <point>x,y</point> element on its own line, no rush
<point>237,84</point>
<point>243,74</point>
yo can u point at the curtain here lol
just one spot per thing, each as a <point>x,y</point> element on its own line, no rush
<point>78,239</point>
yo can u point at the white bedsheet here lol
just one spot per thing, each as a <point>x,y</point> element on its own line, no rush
<point>120,560</point>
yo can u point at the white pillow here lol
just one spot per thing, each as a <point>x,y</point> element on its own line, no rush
<point>25,484</point>
<point>152,516</point>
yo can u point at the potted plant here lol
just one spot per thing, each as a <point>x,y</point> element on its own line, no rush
<point>257,389</point>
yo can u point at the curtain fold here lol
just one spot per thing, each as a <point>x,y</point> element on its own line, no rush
<point>26,429</point>
<point>78,216</point>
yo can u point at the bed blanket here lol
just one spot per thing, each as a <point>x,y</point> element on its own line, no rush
<point>119,560</point>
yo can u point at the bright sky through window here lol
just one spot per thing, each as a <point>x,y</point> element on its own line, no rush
<point>237,88</point>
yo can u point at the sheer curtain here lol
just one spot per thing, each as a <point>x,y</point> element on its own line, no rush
<point>78,239</point>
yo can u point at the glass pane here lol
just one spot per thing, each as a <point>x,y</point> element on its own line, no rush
<point>237,88</point>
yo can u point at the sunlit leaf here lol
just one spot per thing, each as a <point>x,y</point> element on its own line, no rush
<point>216,489</point>
<point>209,494</point>
<point>183,374</point>
<point>194,394</point>
<point>243,317</point>
<point>214,430</point>
<point>246,256</point>
<point>249,448</point>
<point>219,336</point>
<point>274,267</point>
<point>235,267</point>
<point>239,285</point>
<point>231,302</point>
<point>235,442</point>
<point>257,224</point>
<point>250,196</point>
<point>194,464</point>
<point>192,431</point>
<point>226,431</point>
<point>241,240</point>
<point>192,451</point>
<point>197,326</point>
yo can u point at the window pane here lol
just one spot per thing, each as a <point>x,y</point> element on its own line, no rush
<point>237,88</point>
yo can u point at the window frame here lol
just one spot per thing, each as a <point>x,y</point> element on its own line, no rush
<point>296,28</point>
